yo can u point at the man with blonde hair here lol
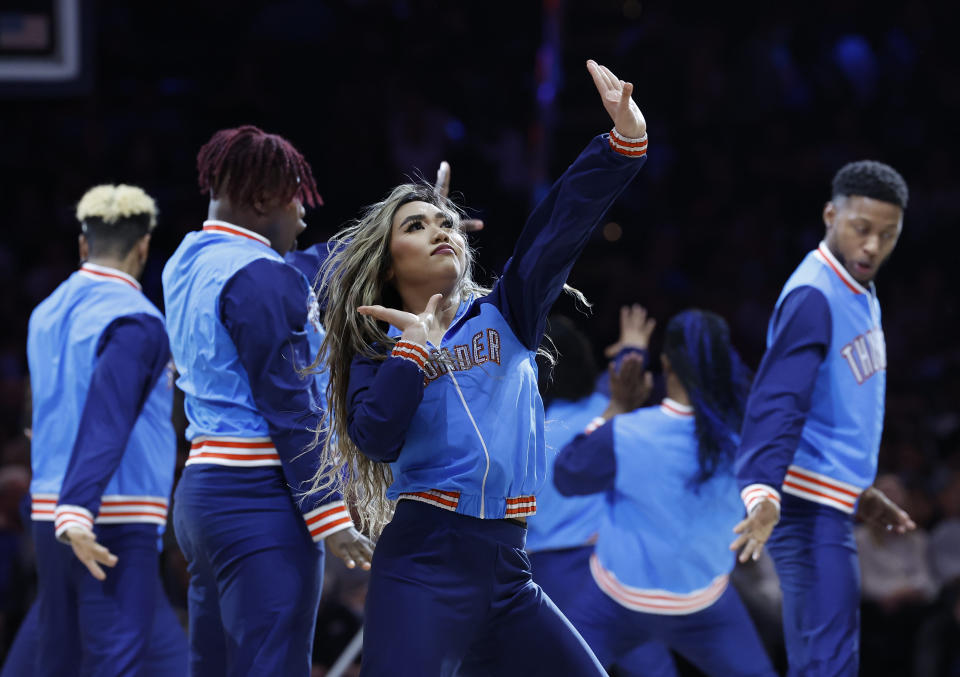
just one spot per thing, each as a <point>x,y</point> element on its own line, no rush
<point>103,456</point>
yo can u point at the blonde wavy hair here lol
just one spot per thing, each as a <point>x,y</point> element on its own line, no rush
<point>355,275</point>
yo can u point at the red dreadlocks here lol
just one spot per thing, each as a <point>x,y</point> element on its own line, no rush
<point>248,165</point>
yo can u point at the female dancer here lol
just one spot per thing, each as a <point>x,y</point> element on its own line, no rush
<point>661,566</point>
<point>561,536</point>
<point>437,405</point>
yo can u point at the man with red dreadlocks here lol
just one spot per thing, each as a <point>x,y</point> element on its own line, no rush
<point>239,320</point>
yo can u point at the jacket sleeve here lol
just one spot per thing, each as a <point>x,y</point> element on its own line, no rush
<point>264,308</point>
<point>557,232</point>
<point>780,397</point>
<point>132,353</point>
<point>382,399</point>
<point>588,463</point>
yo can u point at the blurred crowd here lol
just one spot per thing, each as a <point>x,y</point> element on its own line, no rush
<point>747,124</point>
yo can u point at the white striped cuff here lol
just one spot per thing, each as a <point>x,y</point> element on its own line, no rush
<point>627,146</point>
<point>414,352</point>
<point>66,516</point>
<point>594,424</point>
<point>327,519</point>
<point>753,494</point>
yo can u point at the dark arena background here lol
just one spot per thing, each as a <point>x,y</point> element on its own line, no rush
<point>751,108</point>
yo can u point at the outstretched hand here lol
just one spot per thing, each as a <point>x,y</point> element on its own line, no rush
<point>92,554</point>
<point>442,188</point>
<point>352,547</point>
<point>636,327</point>
<point>616,97</point>
<point>414,328</point>
<point>876,509</point>
<point>755,530</point>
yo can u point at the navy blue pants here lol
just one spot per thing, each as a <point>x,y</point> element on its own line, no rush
<point>815,554</point>
<point>255,573</point>
<point>560,574</point>
<point>81,626</point>
<point>720,640</point>
<point>453,595</point>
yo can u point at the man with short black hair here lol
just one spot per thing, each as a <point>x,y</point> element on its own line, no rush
<point>814,420</point>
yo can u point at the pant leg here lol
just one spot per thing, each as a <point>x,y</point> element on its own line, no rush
<point>20,659</point>
<point>167,650</point>
<point>559,573</point>
<point>269,597</point>
<point>815,554</point>
<point>245,531</point>
<point>207,650</point>
<point>720,640</point>
<point>650,659</point>
<point>429,591</point>
<point>526,634</point>
<point>58,645</point>
<point>116,614</point>
<point>564,575</point>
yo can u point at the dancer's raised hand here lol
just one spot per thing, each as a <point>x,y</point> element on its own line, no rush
<point>442,188</point>
<point>616,97</point>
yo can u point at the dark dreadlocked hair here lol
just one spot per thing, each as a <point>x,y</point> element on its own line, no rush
<point>249,166</point>
<point>697,342</point>
<point>871,179</point>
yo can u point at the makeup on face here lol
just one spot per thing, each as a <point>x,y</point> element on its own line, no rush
<point>425,237</point>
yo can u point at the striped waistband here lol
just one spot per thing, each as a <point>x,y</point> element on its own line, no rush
<point>114,509</point>
<point>241,452</point>
<point>661,602</point>
<point>519,506</point>
<point>821,489</point>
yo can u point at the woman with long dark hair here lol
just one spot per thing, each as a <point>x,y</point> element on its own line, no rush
<point>661,566</point>
<point>437,424</point>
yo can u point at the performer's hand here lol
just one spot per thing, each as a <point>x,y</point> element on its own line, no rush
<point>415,328</point>
<point>876,509</point>
<point>615,94</point>
<point>352,547</point>
<point>92,554</point>
<point>755,530</point>
<point>635,330</point>
<point>630,386</point>
<point>442,189</point>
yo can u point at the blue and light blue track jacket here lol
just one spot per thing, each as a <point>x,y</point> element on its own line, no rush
<point>816,434</point>
<point>663,546</point>
<point>103,447</point>
<point>461,423</point>
<point>240,321</point>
